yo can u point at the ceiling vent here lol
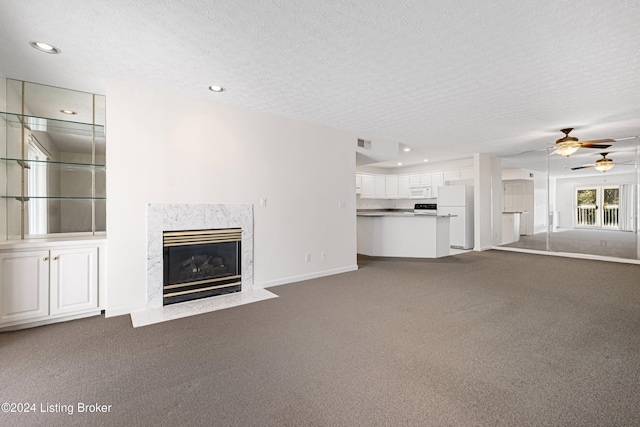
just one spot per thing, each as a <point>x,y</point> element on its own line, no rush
<point>363,143</point>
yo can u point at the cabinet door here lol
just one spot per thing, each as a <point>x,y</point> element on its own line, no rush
<point>74,280</point>
<point>437,180</point>
<point>425,178</point>
<point>403,187</point>
<point>451,175</point>
<point>380,186</point>
<point>367,187</point>
<point>391,186</point>
<point>24,285</point>
<point>466,174</point>
<point>414,179</point>
<point>358,183</point>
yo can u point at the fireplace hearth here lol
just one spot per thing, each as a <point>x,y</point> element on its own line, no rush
<point>201,263</point>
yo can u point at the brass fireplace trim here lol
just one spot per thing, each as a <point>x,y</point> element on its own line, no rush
<point>193,291</point>
<point>200,282</point>
<point>201,237</point>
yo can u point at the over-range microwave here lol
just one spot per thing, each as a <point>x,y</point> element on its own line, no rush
<point>422,192</point>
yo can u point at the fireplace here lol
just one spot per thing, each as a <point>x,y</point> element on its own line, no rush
<point>201,263</point>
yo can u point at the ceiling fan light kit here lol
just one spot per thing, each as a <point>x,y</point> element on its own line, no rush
<point>567,148</point>
<point>603,164</point>
<point>568,145</point>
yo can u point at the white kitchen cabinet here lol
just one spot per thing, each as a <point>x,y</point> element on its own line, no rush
<point>420,179</point>
<point>358,183</point>
<point>379,186</point>
<point>391,186</point>
<point>367,189</point>
<point>437,180</point>
<point>466,174</point>
<point>74,280</point>
<point>24,286</point>
<point>47,285</point>
<point>451,175</point>
<point>458,175</point>
<point>404,191</point>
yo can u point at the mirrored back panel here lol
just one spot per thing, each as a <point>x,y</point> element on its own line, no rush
<point>53,160</point>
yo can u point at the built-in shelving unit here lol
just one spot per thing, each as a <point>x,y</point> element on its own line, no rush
<point>54,168</point>
<point>52,205</point>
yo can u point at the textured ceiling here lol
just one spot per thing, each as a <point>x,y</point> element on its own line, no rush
<point>445,78</point>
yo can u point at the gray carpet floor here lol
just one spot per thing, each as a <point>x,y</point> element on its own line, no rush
<point>478,339</point>
<point>611,243</point>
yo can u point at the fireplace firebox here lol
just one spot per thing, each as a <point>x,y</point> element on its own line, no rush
<point>201,263</point>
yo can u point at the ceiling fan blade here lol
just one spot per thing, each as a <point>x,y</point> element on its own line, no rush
<point>581,167</point>
<point>597,141</point>
<point>592,145</point>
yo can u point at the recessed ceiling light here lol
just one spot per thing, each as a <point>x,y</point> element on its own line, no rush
<point>399,163</point>
<point>407,149</point>
<point>45,47</point>
<point>426,160</point>
<point>68,112</point>
<point>215,88</point>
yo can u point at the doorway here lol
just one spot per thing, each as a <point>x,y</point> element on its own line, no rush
<point>598,207</point>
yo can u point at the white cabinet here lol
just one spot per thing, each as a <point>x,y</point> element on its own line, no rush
<point>391,186</point>
<point>451,175</point>
<point>420,179</point>
<point>47,285</point>
<point>459,175</point>
<point>404,191</point>
<point>466,174</point>
<point>24,286</point>
<point>367,189</point>
<point>74,280</point>
<point>437,180</point>
<point>358,183</point>
<point>380,186</point>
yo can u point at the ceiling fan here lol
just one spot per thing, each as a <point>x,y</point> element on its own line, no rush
<point>568,145</point>
<point>602,165</point>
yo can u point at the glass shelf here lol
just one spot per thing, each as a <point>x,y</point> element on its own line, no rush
<point>57,165</point>
<point>52,125</point>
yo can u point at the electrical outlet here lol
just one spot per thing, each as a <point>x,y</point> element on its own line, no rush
<point>307,257</point>
<point>263,202</point>
<point>341,204</point>
<point>603,243</point>
<point>323,255</point>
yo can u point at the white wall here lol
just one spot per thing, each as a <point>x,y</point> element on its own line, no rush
<point>166,148</point>
<point>565,192</point>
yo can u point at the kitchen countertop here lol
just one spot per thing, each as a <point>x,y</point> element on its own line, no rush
<point>396,212</point>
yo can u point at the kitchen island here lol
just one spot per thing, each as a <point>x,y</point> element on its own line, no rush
<point>403,234</point>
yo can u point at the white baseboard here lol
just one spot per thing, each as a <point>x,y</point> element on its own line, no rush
<point>124,310</point>
<point>302,277</point>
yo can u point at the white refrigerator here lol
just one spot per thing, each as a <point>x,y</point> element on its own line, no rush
<point>458,200</point>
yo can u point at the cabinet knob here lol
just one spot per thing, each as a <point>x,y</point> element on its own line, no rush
<point>45,258</point>
<point>54,258</point>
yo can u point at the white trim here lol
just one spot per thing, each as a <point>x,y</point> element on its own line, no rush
<point>17,325</point>
<point>569,255</point>
<point>122,311</point>
<point>302,277</point>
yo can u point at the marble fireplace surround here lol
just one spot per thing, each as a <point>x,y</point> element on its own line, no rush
<point>178,217</point>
